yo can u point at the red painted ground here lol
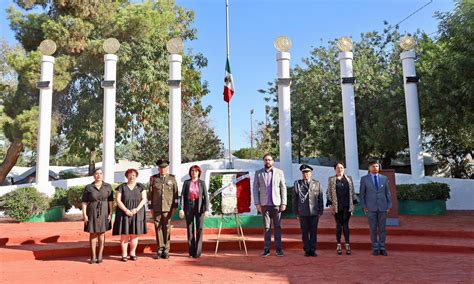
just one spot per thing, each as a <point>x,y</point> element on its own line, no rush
<point>423,249</point>
<point>293,268</point>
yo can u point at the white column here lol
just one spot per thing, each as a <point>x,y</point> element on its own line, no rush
<point>108,159</point>
<point>413,116</point>
<point>44,129</point>
<point>284,114</point>
<point>348,109</point>
<point>175,113</point>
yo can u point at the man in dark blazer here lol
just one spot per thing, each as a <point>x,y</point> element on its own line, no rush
<point>269,195</point>
<point>376,201</point>
<point>308,207</point>
<point>164,201</point>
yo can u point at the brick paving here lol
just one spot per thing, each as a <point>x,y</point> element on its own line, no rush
<point>423,249</point>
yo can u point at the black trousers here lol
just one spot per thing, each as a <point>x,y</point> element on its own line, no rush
<point>309,228</point>
<point>194,224</point>
<point>342,224</point>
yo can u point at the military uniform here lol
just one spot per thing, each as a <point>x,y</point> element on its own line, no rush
<point>164,201</point>
<point>308,206</point>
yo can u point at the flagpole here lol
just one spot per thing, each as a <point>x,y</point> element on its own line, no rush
<point>228,103</point>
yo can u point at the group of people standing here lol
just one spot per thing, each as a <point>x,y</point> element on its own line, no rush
<point>270,198</point>
<point>130,215</point>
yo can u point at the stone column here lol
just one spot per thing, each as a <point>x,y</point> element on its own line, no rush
<point>413,115</point>
<point>108,159</point>
<point>348,109</point>
<point>175,47</point>
<point>45,85</point>
<point>283,45</point>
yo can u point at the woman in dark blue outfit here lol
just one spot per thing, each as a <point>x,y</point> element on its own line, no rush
<point>130,217</point>
<point>97,205</point>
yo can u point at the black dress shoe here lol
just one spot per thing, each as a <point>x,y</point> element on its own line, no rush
<point>307,253</point>
<point>314,254</point>
<point>266,253</point>
<point>279,252</point>
<point>165,255</point>
<point>375,252</point>
<point>383,252</point>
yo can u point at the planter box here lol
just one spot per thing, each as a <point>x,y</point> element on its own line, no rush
<point>422,208</point>
<point>247,221</point>
<point>358,211</point>
<point>50,215</point>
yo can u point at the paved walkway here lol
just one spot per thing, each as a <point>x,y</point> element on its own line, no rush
<point>401,267</point>
<point>441,251</point>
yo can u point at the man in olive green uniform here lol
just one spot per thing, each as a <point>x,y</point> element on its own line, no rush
<point>164,201</point>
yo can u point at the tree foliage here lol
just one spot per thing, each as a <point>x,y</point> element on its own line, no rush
<point>79,28</point>
<point>446,66</point>
<point>317,118</point>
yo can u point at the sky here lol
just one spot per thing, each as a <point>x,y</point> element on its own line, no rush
<point>255,24</point>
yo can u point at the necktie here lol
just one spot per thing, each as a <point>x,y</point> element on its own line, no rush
<point>376,181</point>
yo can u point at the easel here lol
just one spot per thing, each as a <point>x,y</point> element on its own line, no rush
<point>240,234</point>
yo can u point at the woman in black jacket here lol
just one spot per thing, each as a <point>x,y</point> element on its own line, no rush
<point>341,199</point>
<point>194,206</point>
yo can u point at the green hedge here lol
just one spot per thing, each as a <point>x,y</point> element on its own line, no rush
<point>23,203</point>
<point>74,194</point>
<point>423,192</point>
<point>216,203</point>
<point>60,198</point>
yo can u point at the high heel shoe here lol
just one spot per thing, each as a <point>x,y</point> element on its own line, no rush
<point>348,249</point>
<point>99,260</point>
<point>339,249</point>
<point>124,258</point>
<point>92,261</point>
<point>133,257</point>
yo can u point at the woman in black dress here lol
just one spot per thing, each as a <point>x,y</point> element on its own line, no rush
<point>341,199</point>
<point>97,205</point>
<point>130,217</point>
<point>194,206</point>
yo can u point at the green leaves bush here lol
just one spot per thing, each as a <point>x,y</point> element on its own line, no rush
<point>74,194</point>
<point>22,203</point>
<point>216,203</point>
<point>423,192</point>
<point>60,198</point>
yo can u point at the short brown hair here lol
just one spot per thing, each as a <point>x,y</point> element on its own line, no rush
<point>195,168</point>
<point>130,171</point>
<point>267,155</point>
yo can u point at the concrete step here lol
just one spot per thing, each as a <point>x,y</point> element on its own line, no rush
<point>228,242</point>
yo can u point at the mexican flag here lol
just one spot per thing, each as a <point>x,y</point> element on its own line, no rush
<point>228,83</point>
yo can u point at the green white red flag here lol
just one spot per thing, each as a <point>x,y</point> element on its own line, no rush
<point>228,83</point>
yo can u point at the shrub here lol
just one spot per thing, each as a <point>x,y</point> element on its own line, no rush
<point>423,192</point>
<point>22,203</point>
<point>74,194</point>
<point>60,198</point>
<point>216,203</point>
